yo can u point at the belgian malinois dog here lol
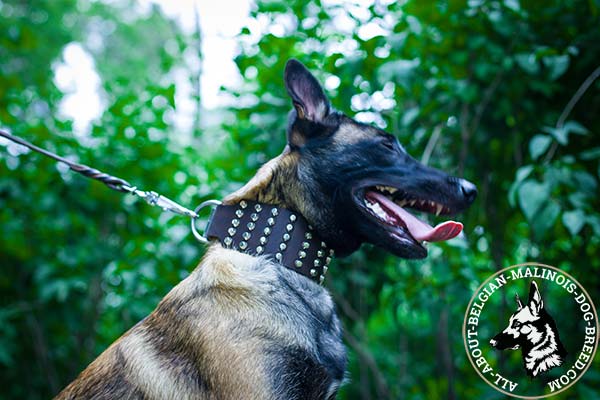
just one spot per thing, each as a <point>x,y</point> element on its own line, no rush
<point>532,329</point>
<point>244,326</point>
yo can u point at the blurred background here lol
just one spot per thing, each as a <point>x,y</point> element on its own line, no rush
<point>187,98</point>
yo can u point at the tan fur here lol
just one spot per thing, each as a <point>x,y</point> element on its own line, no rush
<point>350,133</point>
<point>200,325</point>
<point>267,186</point>
<point>218,294</point>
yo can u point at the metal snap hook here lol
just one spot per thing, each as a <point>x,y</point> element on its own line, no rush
<point>199,236</point>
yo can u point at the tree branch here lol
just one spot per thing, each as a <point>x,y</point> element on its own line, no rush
<point>431,144</point>
<point>569,107</point>
<point>380,384</point>
<point>41,349</point>
<point>468,128</point>
<point>198,77</point>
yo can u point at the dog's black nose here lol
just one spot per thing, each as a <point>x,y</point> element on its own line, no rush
<point>468,190</point>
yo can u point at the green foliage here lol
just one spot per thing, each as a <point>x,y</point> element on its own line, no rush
<point>478,87</point>
<point>81,264</point>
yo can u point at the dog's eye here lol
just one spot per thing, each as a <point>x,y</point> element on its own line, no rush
<point>389,143</point>
<point>517,325</point>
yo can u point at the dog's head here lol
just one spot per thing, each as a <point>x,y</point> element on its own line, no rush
<point>354,182</point>
<point>524,325</point>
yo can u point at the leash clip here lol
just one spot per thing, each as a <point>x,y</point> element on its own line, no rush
<point>157,199</point>
<point>199,236</point>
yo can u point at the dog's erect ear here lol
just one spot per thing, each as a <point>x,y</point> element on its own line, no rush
<point>307,95</point>
<point>535,299</point>
<point>519,303</point>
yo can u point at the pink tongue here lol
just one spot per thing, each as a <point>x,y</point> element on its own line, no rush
<point>418,229</point>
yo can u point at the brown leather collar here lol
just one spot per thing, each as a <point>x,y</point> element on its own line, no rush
<point>265,229</point>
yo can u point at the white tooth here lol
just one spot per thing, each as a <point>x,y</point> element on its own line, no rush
<point>432,203</point>
<point>380,188</point>
<point>391,189</point>
<point>412,202</point>
<point>376,208</point>
<point>438,209</point>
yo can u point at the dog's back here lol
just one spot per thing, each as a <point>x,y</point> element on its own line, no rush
<point>238,327</point>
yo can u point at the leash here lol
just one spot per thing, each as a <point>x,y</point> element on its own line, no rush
<point>249,227</point>
<point>120,185</point>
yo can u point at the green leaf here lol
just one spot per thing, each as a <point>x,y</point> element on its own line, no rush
<point>532,196</point>
<point>513,5</point>
<point>594,222</point>
<point>557,65</point>
<point>590,154</point>
<point>398,70</point>
<point>528,63</point>
<point>575,127</point>
<point>585,181</point>
<point>560,134</point>
<point>538,145</point>
<point>578,199</point>
<point>573,221</point>
<point>521,174</point>
<point>170,94</point>
<point>545,219</point>
<point>409,116</point>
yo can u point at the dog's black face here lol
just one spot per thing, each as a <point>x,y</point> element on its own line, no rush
<point>526,325</point>
<point>361,179</point>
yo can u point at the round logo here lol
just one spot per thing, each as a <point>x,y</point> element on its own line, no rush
<point>531,331</point>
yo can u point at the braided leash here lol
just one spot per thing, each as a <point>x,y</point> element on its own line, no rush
<point>120,185</point>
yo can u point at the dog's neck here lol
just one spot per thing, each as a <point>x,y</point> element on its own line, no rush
<point>275,183</point>
<point>266,217</point>
<point>543,355</point>
<point>268,230</point>
<point>286,182</point>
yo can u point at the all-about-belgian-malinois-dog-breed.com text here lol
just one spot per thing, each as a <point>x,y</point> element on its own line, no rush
<point>252,321</point>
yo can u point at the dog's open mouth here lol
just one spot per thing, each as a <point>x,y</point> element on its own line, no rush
<point>387,205</point>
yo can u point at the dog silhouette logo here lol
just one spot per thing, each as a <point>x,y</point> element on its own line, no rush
<point>532,329</point>
<point>532,348</point>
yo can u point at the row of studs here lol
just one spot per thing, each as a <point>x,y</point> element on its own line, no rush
<point>317,262</point>
<point>239,213</point>
<point>286,237</point>
<point>267,231</point>
<point>251,225</point>
<point>235,223</point>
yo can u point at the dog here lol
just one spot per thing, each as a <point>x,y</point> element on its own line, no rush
<point>534,331</point>
<point>244,326</point>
